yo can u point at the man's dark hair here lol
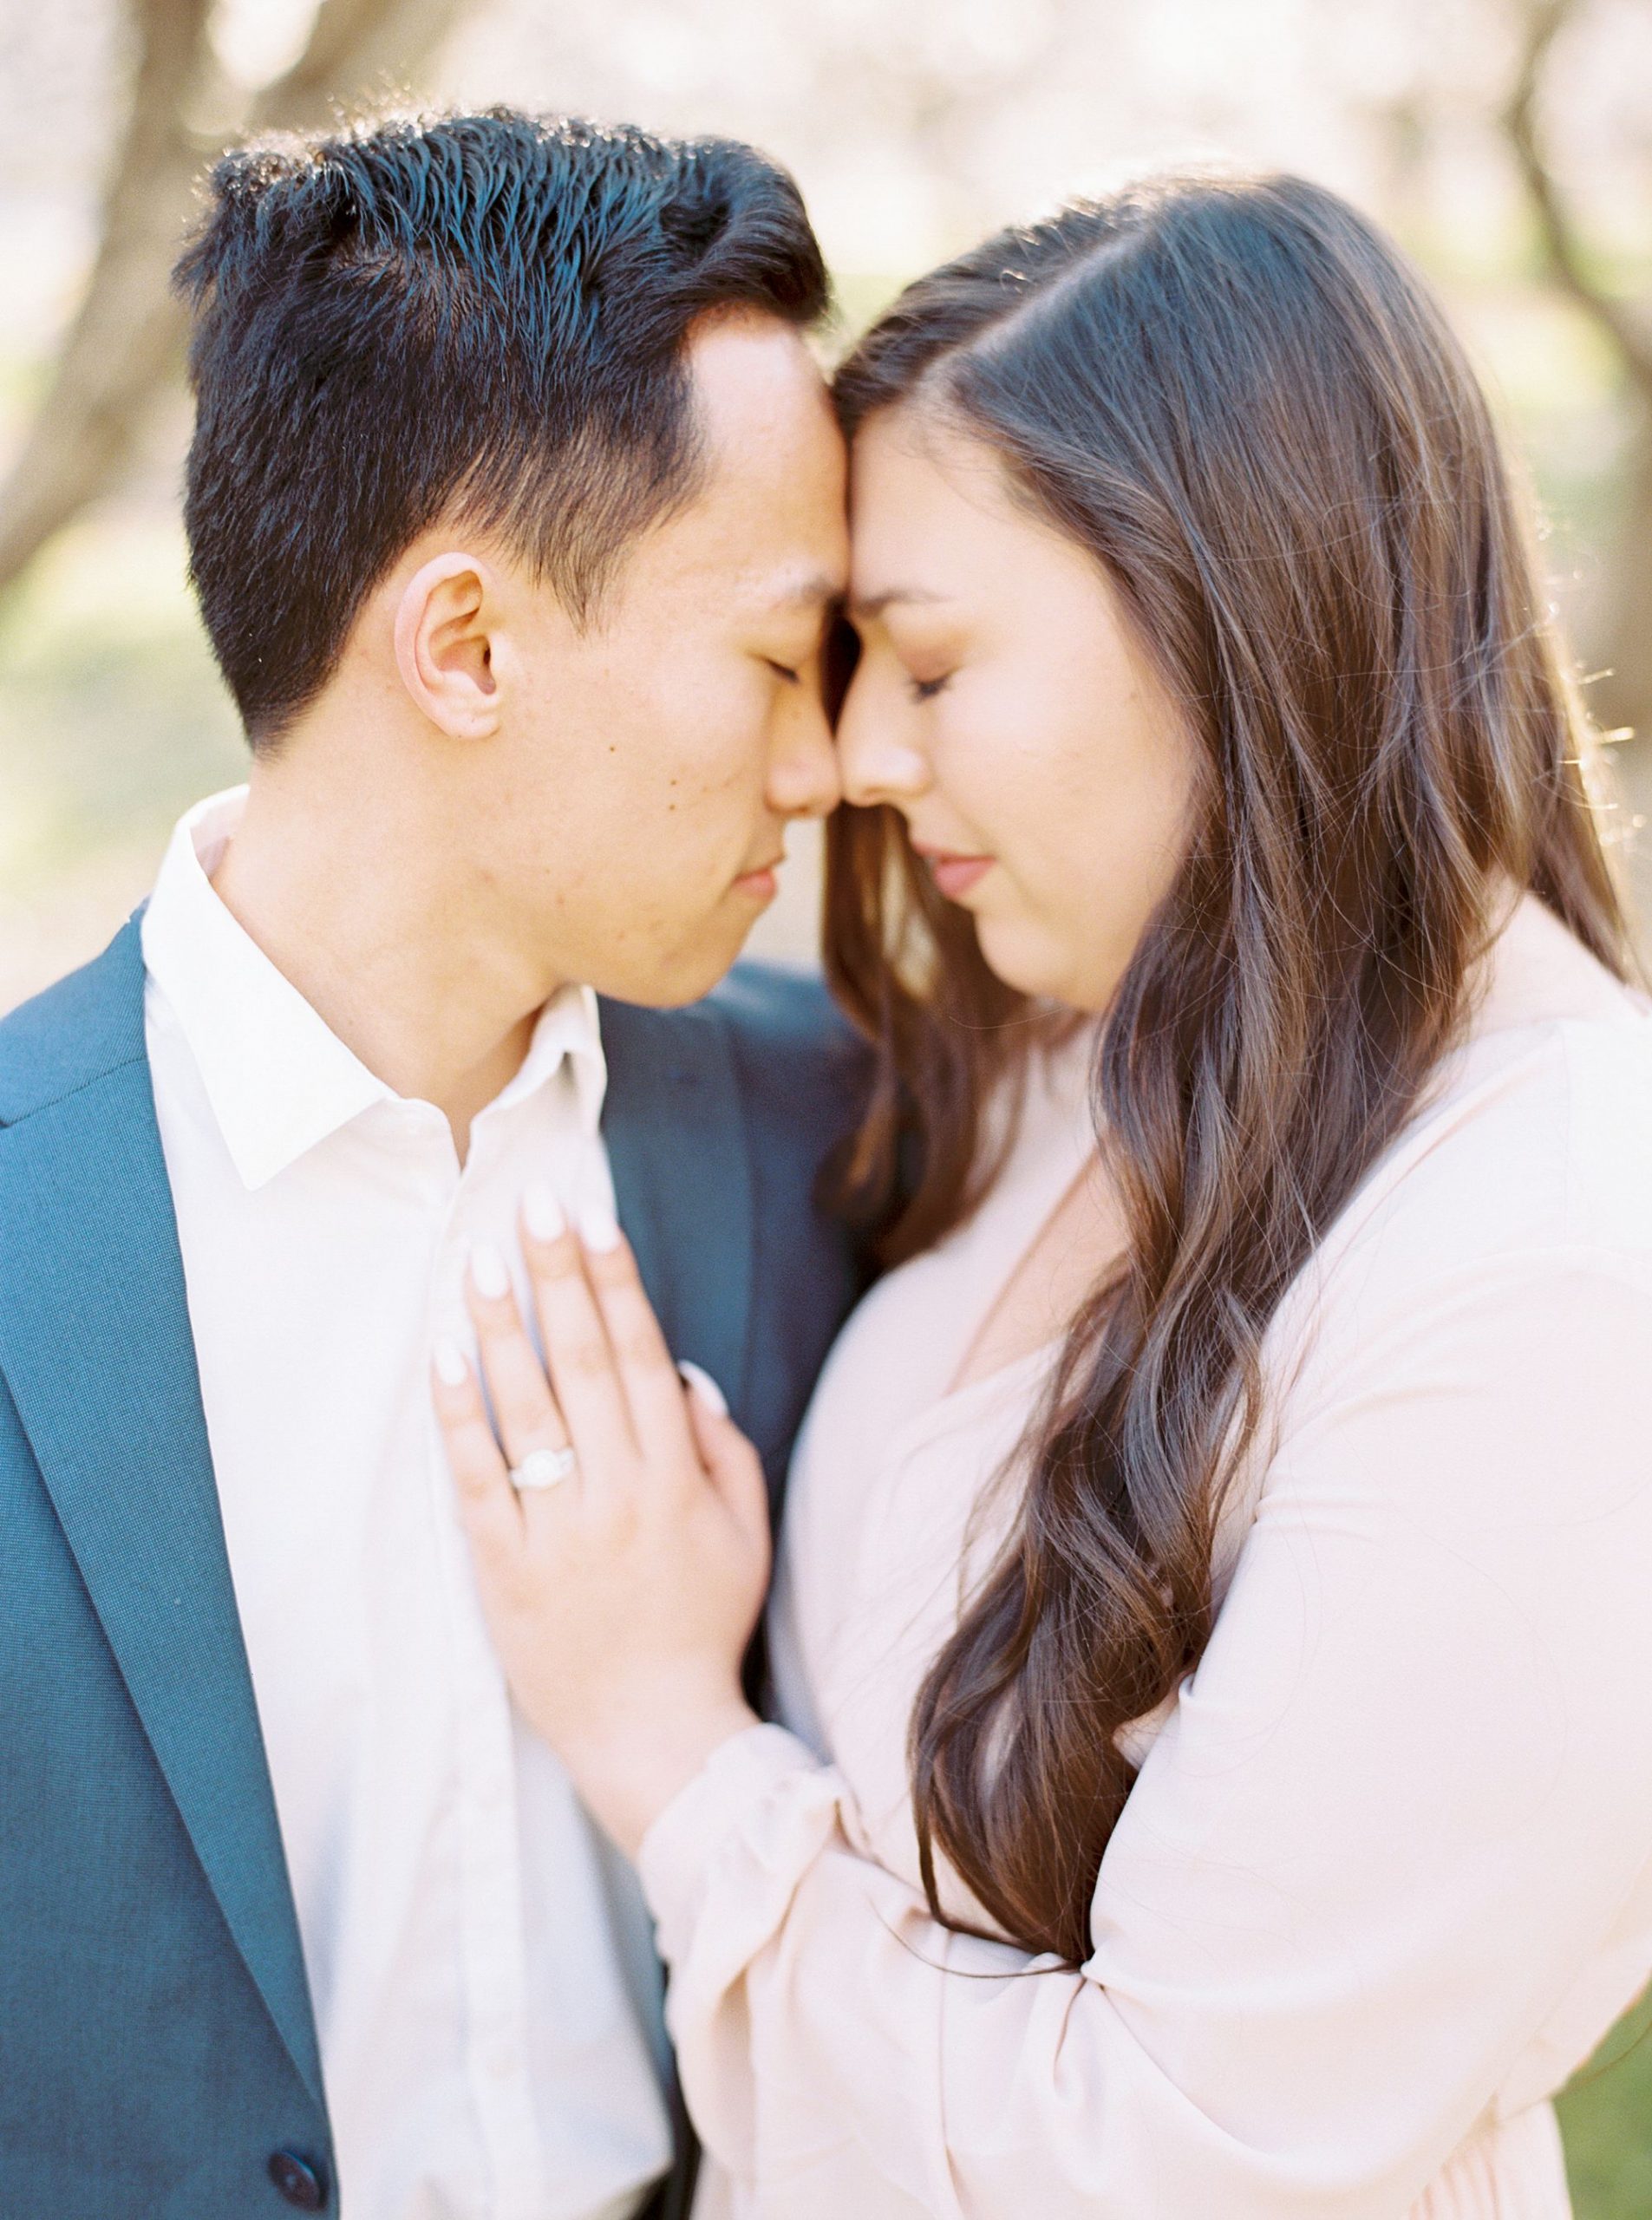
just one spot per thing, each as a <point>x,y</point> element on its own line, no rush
<point>480,317</point>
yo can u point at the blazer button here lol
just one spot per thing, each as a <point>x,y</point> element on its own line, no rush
<point>300,2180</point>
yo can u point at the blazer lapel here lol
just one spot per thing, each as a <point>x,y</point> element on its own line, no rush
<point>675,1135</point>
<point>96,1343</point>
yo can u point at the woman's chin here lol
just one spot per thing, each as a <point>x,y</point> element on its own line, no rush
<point>1026,958</point>
<point>1027,955</point>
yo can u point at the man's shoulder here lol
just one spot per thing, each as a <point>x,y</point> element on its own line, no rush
<point>782,1010</point>
<point>777,1019</point>
<point>798,1055</point>
<point>75,1033</point>
<point>799,1071</point>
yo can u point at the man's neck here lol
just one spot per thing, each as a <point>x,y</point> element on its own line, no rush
<point>384,931</point>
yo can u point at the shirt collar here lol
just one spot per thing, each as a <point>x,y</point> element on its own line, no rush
<point>569,1026</point>
<point>279,1081</point>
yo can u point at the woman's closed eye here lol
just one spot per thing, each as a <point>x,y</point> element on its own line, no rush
<point>784,670</point>
<point>925,689</point>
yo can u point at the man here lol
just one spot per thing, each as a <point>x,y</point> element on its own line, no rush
<point>515,510</point>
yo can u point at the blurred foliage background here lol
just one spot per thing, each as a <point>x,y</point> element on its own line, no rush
<point>1508,142</point>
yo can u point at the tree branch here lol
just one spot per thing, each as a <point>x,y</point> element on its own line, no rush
<point>124,340</point>
<point>355,47</point>
<point>1544,20</point>
<point>127,340</point>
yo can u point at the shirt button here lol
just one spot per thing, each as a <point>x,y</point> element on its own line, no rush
<point>300,2180</point>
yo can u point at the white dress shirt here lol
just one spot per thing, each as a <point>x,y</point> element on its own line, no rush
<point>1385,1877</point>
<point>479,1963</point>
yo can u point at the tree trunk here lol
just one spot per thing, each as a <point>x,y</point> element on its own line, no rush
<point>126,343</point>
<point>1622,696</point>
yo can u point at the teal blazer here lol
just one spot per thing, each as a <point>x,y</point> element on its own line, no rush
<point>158,2052</point>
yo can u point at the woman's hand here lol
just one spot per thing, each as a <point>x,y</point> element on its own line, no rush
<point>621,1596</point>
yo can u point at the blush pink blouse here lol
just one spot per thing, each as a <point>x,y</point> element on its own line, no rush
<point>1385,1877</point>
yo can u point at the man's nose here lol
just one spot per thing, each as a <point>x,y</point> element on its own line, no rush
<point>878,761</point>
<point>803,770</point>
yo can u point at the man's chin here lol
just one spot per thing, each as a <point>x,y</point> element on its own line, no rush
<point>681,974</point>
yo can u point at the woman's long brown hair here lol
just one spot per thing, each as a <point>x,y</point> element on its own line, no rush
<point>1241,401</point>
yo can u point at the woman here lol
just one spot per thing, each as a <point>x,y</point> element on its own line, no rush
<point>1212,1611</point>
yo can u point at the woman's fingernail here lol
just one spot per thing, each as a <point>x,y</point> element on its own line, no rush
<point>598,1228</point>
<point>542,1212</point>
<point>450,1367</point>
<point>488,1272</point>
<point>705,1387</point>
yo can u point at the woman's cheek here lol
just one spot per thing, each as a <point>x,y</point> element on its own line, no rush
<point>1078,885</point>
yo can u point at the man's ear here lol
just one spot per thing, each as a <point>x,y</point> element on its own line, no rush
<point>443,648</point>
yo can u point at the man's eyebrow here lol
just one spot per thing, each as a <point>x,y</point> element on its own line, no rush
<point>874,604</point>
<point>816,592</point>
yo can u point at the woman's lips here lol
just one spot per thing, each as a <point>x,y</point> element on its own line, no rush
<point>956,875</point>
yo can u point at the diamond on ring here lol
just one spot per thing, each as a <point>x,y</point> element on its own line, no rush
<point>542,1468</point>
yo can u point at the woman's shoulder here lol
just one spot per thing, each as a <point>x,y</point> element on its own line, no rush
<point>1480,1309</point>
<point>1573,1043</point>
<point>1527,1163</point>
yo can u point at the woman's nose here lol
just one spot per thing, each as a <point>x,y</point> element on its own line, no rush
<point>878,759</point>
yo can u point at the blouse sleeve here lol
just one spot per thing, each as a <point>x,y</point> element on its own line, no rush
<point>1399,1803</point>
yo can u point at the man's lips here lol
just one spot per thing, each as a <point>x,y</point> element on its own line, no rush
<point>954,874</point>
<point>762,883</point>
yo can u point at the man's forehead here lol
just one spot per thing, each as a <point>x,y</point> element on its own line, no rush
<point>768,518</point>
<point>767,561</point>
<point>764,426</point>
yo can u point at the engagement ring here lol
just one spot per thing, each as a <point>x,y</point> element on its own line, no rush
<point>542,1468</point>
